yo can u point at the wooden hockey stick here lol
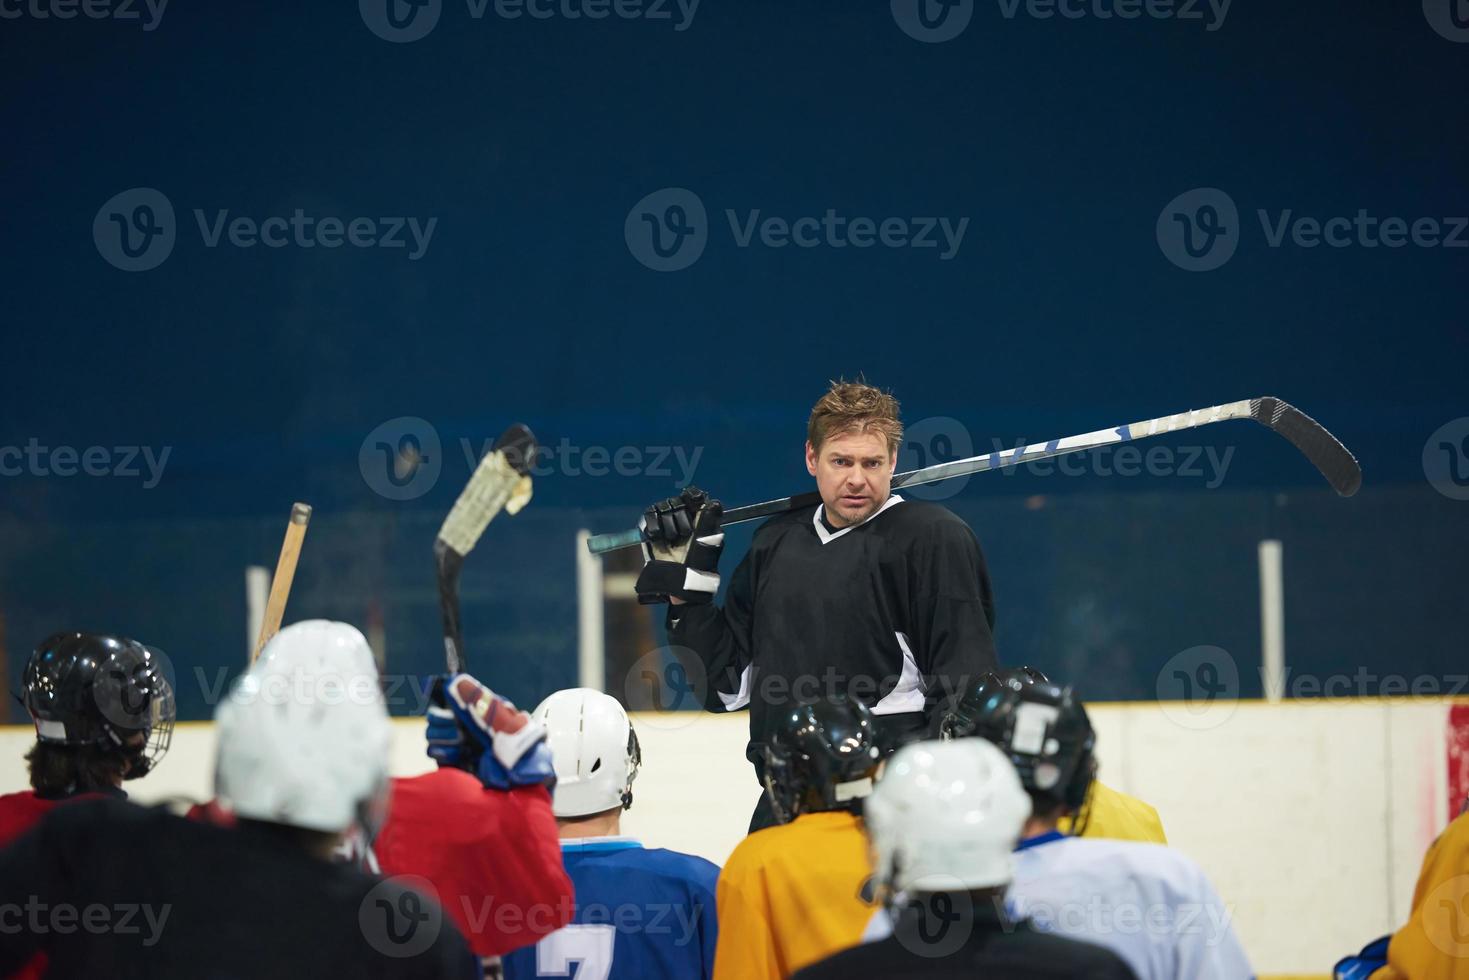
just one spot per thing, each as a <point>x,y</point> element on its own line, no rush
<point>285,574</point>
<point>1319,446</point>
<point>501,481</point>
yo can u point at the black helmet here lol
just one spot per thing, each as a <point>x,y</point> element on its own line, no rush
<point>1043,728</point>
<point>821,756</point>
<point>960,717</point>
<point>104,691</point>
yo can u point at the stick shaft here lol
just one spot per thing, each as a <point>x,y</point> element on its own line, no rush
<point>1247,408</point>
<point>285,574</point>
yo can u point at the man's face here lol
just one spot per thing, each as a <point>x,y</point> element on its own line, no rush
<point>854,474</point>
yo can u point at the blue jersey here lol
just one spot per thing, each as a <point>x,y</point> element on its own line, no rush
<point>640,915</point>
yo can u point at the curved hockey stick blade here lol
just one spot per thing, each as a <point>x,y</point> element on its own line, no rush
<point>1323,449</point>
<point>501,481</point>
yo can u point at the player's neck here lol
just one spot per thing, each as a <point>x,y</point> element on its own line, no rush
<point>1034,828</point>
<point>597,825</point>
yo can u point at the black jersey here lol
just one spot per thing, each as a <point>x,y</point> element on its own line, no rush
<point>895,612</point>
<point>111,889</point>
<point>943,942</point>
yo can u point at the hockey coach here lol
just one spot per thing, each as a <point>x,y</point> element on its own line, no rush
<point>864,595</point>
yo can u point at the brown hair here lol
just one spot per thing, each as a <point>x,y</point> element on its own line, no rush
<point>855,406</point>
<point>61,770</point>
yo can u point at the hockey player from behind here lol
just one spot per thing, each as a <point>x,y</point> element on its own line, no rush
<point>869,595</point>
<point>480,827</point>
<point>1105,812</point>
<point>104,714</point>
<point>792,894</point>
<point>641,913</point>
<point>302,756</point>
<point>942,822</point>
<point>1151,904</point>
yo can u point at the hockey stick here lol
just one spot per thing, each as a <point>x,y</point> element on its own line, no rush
<point>285,574</point>
<point>501,481</point>
<point>1319,446</point>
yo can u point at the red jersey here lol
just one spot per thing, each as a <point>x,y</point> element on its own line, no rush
<point>20,812</point>
<point>493,856</point>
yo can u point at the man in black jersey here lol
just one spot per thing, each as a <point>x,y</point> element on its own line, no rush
<point>866,594</point>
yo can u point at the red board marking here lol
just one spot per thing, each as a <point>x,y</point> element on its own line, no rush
<point>1458,758</point>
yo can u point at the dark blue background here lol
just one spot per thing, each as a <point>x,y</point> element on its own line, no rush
<point>529,140</point>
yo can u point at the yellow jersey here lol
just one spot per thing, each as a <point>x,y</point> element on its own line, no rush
<point>1118,816</point>
<point>1434,945</point>
<point>791,895</point>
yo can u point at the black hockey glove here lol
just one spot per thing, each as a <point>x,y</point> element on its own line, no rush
<point>681,546</point>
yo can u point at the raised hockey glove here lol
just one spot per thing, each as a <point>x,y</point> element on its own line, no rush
<point>681,546</point>
<point>490,737</point>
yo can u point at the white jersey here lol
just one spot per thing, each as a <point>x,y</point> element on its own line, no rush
<point>1148,903</point>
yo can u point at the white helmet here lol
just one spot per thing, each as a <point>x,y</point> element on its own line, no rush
<point>594,749</point>
<point>945,816</point>
<point>304,736</point>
